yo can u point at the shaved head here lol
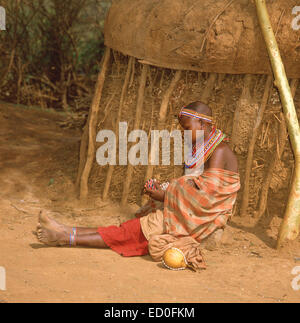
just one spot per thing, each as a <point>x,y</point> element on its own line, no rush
<point>200,107</point>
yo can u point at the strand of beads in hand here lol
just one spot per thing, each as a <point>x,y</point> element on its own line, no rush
<point>152,184</point>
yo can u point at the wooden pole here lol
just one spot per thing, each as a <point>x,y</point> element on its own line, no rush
<point>290,226</point>
<point>124,90</point>
<point>139,109</point>
<point>84,146</point>
<point>257,125</point>
<point>162,118</point>
<point>244,104</point>
<point>166,98</point>
<point>282,134</point>
<point>208,87</point>
<point>92,126</point>
<point>83,152</point>
<point>132,73</point>
<point>274,160</point>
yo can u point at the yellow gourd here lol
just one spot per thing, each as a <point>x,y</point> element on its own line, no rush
<point>174,259</point>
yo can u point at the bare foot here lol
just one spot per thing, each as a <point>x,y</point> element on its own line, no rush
<point>54,225</point>
<point>52,233</point>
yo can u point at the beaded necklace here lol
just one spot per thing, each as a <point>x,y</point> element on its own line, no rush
<point>202,152</point>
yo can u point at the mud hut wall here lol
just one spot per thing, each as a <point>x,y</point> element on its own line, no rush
<point>224,99</point>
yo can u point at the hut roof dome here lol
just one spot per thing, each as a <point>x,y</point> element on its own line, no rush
<point>220,36</point>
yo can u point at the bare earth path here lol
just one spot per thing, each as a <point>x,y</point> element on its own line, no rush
<point>38,161</point>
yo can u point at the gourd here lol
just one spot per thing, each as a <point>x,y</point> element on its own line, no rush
<point>174,259</point>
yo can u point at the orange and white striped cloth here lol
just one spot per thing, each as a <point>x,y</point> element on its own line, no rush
<point>197,206</point>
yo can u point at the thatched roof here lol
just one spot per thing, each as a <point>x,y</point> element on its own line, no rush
<point>200,35</point>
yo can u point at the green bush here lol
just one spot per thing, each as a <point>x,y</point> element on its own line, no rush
<point>51,50</point>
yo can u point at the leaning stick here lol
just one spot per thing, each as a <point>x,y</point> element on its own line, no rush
<point>291,223</point>
<point>162,117</point>
<point>208,87</point>
<point>165,101</point>
<point>133,72</point>
<point>124,90</point>
<point>267,182</point>
<point>244,99</point>
<point>162,79</point>
<point>92,126</point>
<point>139,109</point>
<point>83,152</point>
<point>278,153</point>
<point>256,129</point>
<point>83,145</point>
<point>115,54</point>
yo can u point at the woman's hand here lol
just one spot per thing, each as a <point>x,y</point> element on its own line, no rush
<point>156,194</point>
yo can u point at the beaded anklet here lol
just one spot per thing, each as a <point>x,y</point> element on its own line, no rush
<point>72,237</point>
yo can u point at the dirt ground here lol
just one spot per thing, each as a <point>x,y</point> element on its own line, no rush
<point>38,163</point>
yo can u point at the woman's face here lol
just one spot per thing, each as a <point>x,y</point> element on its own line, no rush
<point>191,124</point>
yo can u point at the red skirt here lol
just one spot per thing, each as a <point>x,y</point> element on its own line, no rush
<point>127,240</point>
